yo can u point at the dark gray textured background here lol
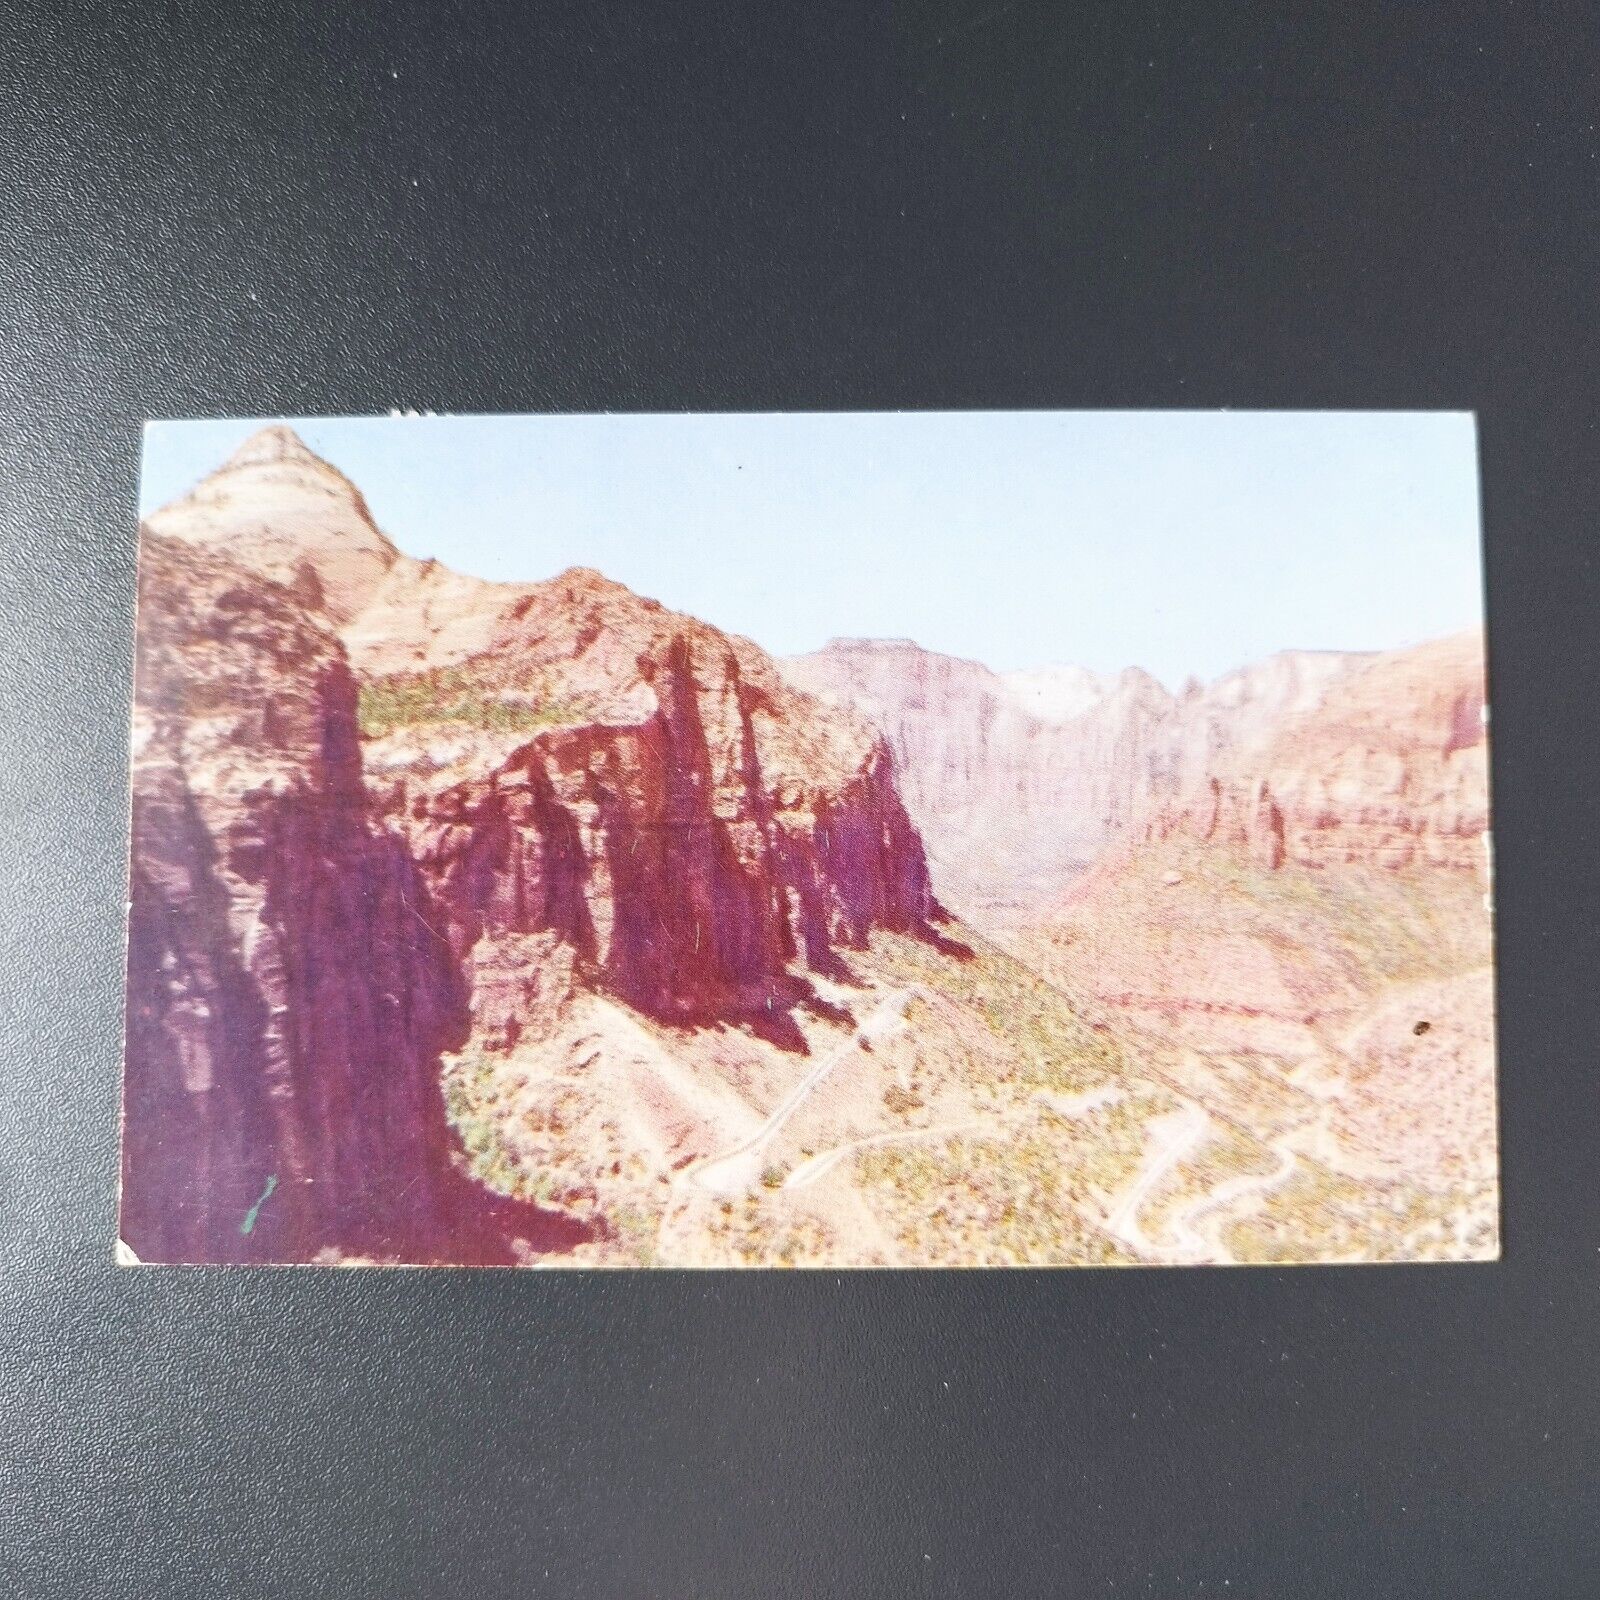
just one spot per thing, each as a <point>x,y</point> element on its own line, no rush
<point>299,208</point>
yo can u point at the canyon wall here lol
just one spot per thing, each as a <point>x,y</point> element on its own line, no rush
<point>1382,761</point>
<point>686,823</point>
<point>287,1001</point>
<point>1015,785</point>
<point>1018,781</point>
<point>382,811</point>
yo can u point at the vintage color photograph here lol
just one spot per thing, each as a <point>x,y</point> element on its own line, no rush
<point>815,840</point>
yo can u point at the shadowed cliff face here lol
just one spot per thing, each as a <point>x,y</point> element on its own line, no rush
<point>288,995</point>
<point>668,827</point>
<point>340,872</point>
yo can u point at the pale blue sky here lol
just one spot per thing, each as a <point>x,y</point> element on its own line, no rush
<point>1178,541</point>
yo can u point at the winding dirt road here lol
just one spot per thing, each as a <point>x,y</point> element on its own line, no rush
<point>825,1161</point>
<point>1182,1135</point>
<point>738,1170</point>
<point>1185,1132</point>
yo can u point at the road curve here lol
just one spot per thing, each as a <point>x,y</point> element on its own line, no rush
<point>825,1161</point>
<point>737,1170</point>
<point>1186,1129</point>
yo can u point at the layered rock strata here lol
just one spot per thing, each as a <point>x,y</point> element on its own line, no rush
<point>381,810</point>
<point>1018,781</point>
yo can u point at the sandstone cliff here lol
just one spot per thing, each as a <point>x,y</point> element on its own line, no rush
<point>1380,760</point>
<point>287,999</point>
<point>381,809</point>
<point>1017,782</point>
<point>650,791</point>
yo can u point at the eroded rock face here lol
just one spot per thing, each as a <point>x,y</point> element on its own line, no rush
<point>1014,781</point>
<point>287,996</point>
<point>382,810</point>
<point>694,830</point>
<point>1017,782</point>
<point>1386,764</point>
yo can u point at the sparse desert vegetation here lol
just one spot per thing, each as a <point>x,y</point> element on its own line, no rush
<point>1004,1123</point>
<point>451,695</point>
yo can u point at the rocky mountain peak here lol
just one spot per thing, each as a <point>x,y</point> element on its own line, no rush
<point>277,442</point>
<point>277,507</point>
<point>1056,694</point>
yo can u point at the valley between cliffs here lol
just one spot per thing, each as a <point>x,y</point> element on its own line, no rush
<point>538,924</point>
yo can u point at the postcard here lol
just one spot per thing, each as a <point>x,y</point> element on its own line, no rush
<point>810,840</point>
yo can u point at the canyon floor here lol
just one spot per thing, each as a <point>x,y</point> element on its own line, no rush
<point>962,1107</point>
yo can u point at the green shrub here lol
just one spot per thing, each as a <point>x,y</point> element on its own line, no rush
<point>448,694</point>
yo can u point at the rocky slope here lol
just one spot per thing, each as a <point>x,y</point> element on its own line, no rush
<point>384,812</point>
<point>1298,929</point>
